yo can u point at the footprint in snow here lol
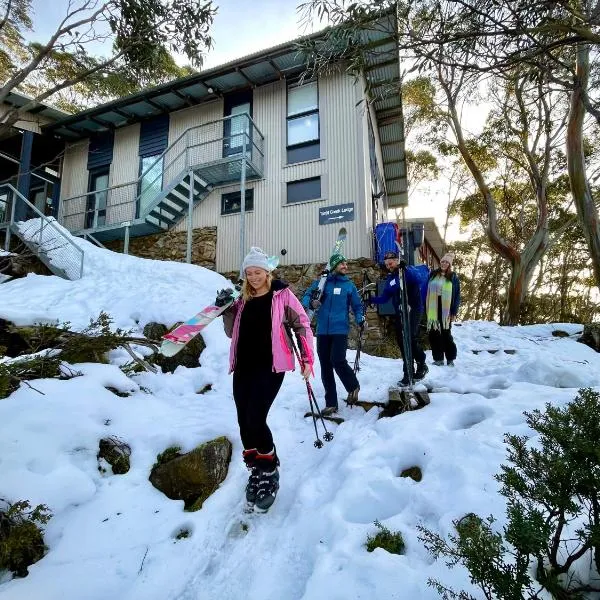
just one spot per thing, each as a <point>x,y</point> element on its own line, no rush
<point>469,417</point>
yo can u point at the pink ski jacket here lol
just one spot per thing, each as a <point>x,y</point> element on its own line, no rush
<point>285,310</point>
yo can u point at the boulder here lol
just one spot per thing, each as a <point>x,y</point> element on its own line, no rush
<point>591,336</point>
<point>188,357</point>
<point>194,476</point>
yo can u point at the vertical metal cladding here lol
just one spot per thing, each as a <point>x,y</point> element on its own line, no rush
<point>124,170</point>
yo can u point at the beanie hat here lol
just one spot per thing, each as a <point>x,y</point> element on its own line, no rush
<point>390,254</point>
<point>257,258</point>
<point>449,257</point>
<point>335,260</point>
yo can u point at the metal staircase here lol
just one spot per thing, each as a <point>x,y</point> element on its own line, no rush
<point>218,153</point>
<point>40,234</point>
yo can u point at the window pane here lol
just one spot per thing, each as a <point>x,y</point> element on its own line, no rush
<point>230,203</point>
<point>306,189</point>
<point>303,129</point>
<point>302,98</point>
<point>151,184</point>
<point>297,154</point>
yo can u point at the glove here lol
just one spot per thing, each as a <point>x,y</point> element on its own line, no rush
<point>315,304</point>
<point>363,326</point>
<point>224,297</point>
<point>402,263</point>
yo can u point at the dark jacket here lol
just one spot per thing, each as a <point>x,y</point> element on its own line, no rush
<point>339,295</point>
<point>392,288</point>
<point>455,302</point>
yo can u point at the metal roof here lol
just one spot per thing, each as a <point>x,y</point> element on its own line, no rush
<point>19,100</point>
<point>283,61</point>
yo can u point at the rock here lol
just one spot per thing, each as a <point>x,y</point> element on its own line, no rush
<point>116,453</point>
<point>194,476</point>
<point>591,336</point>
<point>188,357</point>
<point>154,331</point>
<point>414,473</point>
<point>560,333</point>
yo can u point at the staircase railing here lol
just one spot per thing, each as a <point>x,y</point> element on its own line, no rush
<point>195,147</point>
<point>41,234</point>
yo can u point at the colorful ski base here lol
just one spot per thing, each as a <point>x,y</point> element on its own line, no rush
<point>174,341</point>
<point>337,249</point>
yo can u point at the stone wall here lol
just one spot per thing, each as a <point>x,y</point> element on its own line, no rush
<point>172,245</point>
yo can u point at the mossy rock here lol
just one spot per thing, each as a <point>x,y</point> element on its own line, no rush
<point>155,331</point>
<point>414,473</point>
<point>194,476</point>
<point>116,453</point>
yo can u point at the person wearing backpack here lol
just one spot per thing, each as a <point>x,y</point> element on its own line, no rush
<point>443,300</point>
<point>392,290</point>
<point>333,325</point>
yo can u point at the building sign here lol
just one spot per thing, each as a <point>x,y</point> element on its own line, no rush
<point>336,213</point>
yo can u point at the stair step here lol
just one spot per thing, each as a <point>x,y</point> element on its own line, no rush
<point>167,208</point>
<point>162,217</point>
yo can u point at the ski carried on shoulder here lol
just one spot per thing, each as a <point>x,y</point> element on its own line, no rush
<point>338,420</point>
<point>337,249</point>
<point>176,340</point>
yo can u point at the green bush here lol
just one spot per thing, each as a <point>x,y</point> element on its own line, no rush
<point>391,541</point>
<point>552,492</point>
<point>21,536</point>
<point>167,456</point>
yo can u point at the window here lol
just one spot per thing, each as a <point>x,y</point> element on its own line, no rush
<point>305,189</point>
<point>151,173</point>
<point>231,203</point>
<point>303,123</point>
<point>96,203</point>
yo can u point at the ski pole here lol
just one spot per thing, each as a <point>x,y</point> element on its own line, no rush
<point>312,400</point>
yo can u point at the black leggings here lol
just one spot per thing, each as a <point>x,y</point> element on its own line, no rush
<point>254,393</point>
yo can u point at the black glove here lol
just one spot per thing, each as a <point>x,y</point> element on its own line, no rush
<point>224,297</point>
<point>402,263</point>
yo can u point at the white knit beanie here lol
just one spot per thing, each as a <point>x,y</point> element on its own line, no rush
<point>449,257</point>
<point>256,258</point>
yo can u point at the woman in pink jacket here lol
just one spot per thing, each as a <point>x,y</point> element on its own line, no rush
<point>259,325</point>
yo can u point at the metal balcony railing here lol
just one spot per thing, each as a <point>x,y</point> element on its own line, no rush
<point>208,150</point>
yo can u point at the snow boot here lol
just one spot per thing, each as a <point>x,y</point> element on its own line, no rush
<point>422,370</point>
<point>438,363</point>
<point>268,482</point>
<point>329,410</point>
<point>450,363</point>
<point>254,479</point>
<point>353,397</point>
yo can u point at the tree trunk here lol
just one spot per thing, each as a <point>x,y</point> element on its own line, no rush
<point>580,189</point>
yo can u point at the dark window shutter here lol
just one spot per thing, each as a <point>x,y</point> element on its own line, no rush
<point>154,135</point>
<point>100,152</point>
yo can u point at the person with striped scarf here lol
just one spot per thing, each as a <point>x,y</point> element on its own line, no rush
<point>443,300</point>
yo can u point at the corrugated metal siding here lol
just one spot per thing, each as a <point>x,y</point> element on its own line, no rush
<point>74,183</point>
<point>273,225</point>
<point>154,135</point>
<point>124,169</point>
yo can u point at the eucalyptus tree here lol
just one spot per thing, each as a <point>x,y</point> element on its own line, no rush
<point>126,42</point>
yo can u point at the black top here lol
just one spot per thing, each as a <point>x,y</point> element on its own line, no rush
<point>254,348</point>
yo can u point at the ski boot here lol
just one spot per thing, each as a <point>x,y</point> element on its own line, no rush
<point>422,370</point>
<point>268,482</point>
<point>254,479</point>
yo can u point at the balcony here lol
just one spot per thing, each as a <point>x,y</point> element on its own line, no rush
<point>201,158</point>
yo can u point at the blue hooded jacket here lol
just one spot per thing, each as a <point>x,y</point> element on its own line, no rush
<point>413,291</point>
<point>339,295</point>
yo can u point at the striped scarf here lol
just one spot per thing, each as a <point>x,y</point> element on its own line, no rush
<point>438,286</point>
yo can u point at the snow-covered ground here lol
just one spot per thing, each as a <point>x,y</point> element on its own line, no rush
<point>113,536</point>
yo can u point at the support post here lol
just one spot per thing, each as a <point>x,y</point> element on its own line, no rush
<point>190,219</point>
<point>126,241</point>
<point>243,204</point>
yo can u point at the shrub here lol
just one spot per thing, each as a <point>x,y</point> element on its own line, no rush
<point>21,536</point>
<point>391,541</point>
<point>553,513</point>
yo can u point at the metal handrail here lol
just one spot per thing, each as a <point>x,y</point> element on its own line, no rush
<point>45,222</point>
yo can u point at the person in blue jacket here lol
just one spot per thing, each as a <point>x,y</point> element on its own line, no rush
<point>391,291</point>
<point>333,325</point>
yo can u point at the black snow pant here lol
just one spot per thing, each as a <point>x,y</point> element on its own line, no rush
<point>332,356</point>
<point>441,340</point>
<point>418,354</point>
<point>254,393</point>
